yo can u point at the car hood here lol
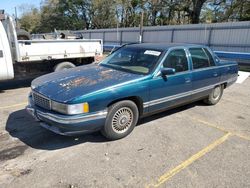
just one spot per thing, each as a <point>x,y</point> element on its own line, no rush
<point>65,86</point>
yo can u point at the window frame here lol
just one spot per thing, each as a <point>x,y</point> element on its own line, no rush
<point>159,60</point>
<point>160,66</point>
<point>214,57</point>
<point>203,49</point>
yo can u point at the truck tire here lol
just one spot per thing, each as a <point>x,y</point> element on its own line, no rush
<point>23,35</point>
<point>121,120</point>
<point>63,66</point>
<point>215,95</point>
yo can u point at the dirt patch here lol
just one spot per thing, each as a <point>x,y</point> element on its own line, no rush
<point>12,153</point>
<point>4,137</point>
<point>77,82</point>
<point>19,172</point>
<point>240,117</point>
<point>105,75</point>
<point>62,184</point>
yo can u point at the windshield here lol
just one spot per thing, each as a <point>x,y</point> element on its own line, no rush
<point>136,60</point>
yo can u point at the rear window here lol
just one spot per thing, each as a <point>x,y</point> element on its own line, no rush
<point>201,58</point>
<point>210,57</point>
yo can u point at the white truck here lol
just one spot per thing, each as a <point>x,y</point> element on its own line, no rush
<point>28,58</point>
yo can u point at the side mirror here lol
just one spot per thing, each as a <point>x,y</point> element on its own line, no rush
<point>167,71</point>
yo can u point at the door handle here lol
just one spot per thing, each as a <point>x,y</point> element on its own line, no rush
<point>215,74</point>
<point>1,53</point>
<point>187,80</point>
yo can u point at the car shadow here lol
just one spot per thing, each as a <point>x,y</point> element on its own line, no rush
<point>22,126</point>
<point>169,112</point>
<point>14,84</point>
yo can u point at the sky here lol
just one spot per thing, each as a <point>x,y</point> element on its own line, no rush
<point>9,5</point>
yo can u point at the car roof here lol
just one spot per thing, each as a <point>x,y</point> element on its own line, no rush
<point>162,46</point>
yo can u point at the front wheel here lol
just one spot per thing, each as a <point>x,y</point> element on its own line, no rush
<point>121,120</point>
<point>215,95</point>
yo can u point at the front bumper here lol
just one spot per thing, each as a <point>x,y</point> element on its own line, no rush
<point>67,124</point>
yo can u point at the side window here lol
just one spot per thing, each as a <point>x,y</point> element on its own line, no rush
<point>199,58</point>
<point>211,60</point>
<point>176,59</point>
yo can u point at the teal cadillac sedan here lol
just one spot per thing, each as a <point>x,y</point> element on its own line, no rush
<point>135,81</point>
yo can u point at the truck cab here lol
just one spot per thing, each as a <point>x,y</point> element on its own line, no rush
<point>6,64</point>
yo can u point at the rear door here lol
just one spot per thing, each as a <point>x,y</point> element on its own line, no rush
<point>205,73</point>
<point>6,64</point>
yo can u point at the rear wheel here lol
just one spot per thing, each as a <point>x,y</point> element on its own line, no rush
<point>63,66</point>
<point>121,120</point>
<point>215,95</point>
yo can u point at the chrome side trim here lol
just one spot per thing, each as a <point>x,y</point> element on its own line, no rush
<point>32,112</point>
<point>232,80</point>
<point>184,94</point>
<point>173,97</point>
<point>64,119</point>
<point>58,131</point>
<point>51,128</point>
<point>72,119</point>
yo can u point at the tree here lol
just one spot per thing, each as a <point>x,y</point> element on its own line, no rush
<point>227,10</point>
<point>193,8</point>
<point>51,18</point>
<point>103,14</point>
<point>30,18</point>
<point>76,13</point>
<point>91,14</point>
<point>237,10</point>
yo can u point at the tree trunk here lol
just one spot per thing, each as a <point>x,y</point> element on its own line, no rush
<point>195,13</point>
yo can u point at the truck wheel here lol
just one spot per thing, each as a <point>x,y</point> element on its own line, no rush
<point>121,120</point>
<point>215,95</point>
<point>23,35</point>
<point>63,66</point>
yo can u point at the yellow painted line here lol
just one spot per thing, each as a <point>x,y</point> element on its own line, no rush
<point>242,136</point>
<point>14,105</point>
<point>165,177</point>
<point>209,124</point>
<point>220,128</point>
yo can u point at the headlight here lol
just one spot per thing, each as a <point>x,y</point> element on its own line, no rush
<point>70,109</point>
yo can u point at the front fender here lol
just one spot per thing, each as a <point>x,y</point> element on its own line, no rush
<point>100,100</point>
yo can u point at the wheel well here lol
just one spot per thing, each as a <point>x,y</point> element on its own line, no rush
<point>224,85</point>
<point>137,100</point>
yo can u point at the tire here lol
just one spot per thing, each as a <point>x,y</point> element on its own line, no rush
<point>23,35</point>
<point>63,66</point>
<point>215,95</point>
<point>121,120</point>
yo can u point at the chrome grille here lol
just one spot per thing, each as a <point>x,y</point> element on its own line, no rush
<point>41,101</point>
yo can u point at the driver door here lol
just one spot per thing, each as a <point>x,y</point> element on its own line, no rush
<point>171,90</point>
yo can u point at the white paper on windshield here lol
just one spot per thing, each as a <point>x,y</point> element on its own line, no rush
<point>152,52</point>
